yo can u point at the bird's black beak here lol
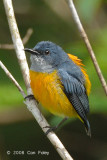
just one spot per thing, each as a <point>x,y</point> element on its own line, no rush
<point>31,51</point>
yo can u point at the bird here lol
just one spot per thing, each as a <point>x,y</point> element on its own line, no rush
<point>59,82</point>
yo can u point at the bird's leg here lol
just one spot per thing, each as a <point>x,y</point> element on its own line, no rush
<point>54,127</point>
<point>30,96</point>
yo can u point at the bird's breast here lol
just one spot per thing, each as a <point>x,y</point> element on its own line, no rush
<point>48,90</point>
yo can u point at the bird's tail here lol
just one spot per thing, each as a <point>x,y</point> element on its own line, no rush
<point>87,128</point>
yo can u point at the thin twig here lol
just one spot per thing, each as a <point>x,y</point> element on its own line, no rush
<point>12,79</point>
<point>87,43</point>
<point>27,36</point>
<point>25,40</point>
<point>6,46</point>
<point>31,104</point>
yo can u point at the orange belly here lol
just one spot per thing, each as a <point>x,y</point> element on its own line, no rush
<point>47,89</point>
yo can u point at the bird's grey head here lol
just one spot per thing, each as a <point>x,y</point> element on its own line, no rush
<point>46,56</point>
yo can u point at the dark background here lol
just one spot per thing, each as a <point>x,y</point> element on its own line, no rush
<point>52,20</point>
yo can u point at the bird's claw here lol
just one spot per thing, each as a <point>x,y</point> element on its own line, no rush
<point>31,96</point>
<point>50,129</point>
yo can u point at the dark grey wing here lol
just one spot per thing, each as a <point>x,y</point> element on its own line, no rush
<point>76,93</point>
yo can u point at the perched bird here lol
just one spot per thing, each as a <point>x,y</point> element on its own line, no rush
<point>59,82</point>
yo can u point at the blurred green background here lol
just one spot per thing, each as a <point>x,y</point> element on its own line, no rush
<point>52,20</point>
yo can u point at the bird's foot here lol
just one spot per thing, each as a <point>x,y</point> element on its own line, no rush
<point>50,129</point>
<point>31,96</point>
<point>55,127</point>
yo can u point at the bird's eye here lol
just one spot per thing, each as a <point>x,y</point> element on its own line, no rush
<point>47,52</point>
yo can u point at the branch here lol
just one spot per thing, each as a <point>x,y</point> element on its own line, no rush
<point>31,104</point>
<point>25,40</point>
<point>87,43</point>
<point>12,79</point>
